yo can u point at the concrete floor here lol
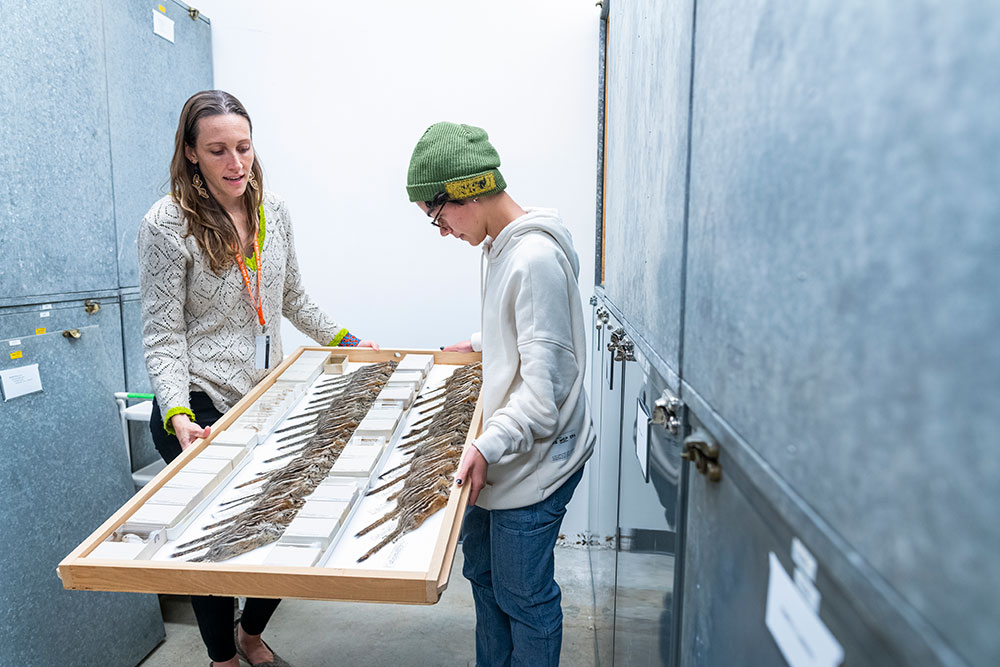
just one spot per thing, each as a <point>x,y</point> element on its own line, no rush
<point>314,634</point>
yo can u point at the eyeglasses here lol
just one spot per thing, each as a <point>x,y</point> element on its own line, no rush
<point>438,201</point>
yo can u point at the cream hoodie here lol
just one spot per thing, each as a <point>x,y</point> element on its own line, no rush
<point>537,430</point>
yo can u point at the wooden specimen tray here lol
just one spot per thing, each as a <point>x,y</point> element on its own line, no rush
<point>339,579</point>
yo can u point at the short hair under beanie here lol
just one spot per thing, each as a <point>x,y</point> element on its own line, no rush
<point>456,159</point>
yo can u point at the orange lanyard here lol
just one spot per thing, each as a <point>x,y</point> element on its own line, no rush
<point>259,301</point>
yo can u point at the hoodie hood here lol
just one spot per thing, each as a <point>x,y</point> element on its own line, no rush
<point>545,220</point>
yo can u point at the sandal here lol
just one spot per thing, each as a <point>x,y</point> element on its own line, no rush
<point>277,661</point>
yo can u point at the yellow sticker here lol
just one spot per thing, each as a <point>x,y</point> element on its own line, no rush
<point>40,330</point>
<point>16,355</point>
<point>470,187</point>
<point>162,8</point>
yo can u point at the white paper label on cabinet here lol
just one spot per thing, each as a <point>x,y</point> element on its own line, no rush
<point>803,560</point>
<point>14,342</point>
<point>642,438</point>
<point>800,634</point>
<point>20,381</point>
<point>163,26</point>
<point>808,590</point>
<point>45,313</point>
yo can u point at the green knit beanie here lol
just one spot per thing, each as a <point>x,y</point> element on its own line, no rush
<point>452,158</point>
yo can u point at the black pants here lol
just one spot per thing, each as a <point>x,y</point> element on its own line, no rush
<point>215,614</point>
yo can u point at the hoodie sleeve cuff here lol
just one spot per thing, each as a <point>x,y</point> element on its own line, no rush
<point>477,341</point>
<point>492,444</point>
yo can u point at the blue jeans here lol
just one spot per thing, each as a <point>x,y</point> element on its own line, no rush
<point>510,562</point>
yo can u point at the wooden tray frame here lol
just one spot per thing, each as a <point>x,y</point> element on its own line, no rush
<point>312,583</point>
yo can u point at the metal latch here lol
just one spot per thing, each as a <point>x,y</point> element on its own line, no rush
<point>701,449</point>
<point>593,300</point>
<point>91,306</point>
<point>602,317</point>
<point>71,333</point>
<point>667,412</point>
<point>615,339</point>
<point>193,13</point>
<point>626,350</point>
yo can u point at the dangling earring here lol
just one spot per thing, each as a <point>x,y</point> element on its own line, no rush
<point>252,180</point>
<point>197,183</point>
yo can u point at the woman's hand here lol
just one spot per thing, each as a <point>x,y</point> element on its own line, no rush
<point>187,431</point>
<point>368,343</point>
<point>472,471</point>
<point>464,346</point>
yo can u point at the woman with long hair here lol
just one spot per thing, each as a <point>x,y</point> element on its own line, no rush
<point>217,272</point>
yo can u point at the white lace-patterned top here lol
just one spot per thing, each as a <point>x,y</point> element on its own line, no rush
<point>199,329</point>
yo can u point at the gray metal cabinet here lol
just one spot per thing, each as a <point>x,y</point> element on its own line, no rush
<point>603,470</point>
<point>647,83</point>
<point>738,531</point>
<point>649,517</point>
<point>827,300</point>
<point>57,229</point>
<point>149,79</point>
<point>63,471</point>
<point>842,268</point>
<point>90,98</point>
<point>70,311</point>
<point>136,377</point>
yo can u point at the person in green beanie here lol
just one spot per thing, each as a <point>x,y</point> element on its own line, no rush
<point>537,432</point>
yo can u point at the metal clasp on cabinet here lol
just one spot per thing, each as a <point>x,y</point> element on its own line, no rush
<point>91,306</point>
<point>193,13</point>
<point>701,449</point>
<point>625,351</point>
<point>602,317</point>
<point>667,412</point>
<point>615,339</point>
<point>593,300</point>
<point>72,333</point>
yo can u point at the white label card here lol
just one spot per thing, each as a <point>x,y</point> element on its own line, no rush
<point>642,438</point>
<point>810,594</point>
<point>803,559</point>
<point>163,26</point>
<point>14,342</point>
<point>800,634</point>
<point>20,381</point>
<point>45,313</point>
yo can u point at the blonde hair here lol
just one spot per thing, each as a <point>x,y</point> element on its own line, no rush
<point>208,222</point>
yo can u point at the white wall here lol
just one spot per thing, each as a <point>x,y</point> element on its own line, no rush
<point>339,94</point>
